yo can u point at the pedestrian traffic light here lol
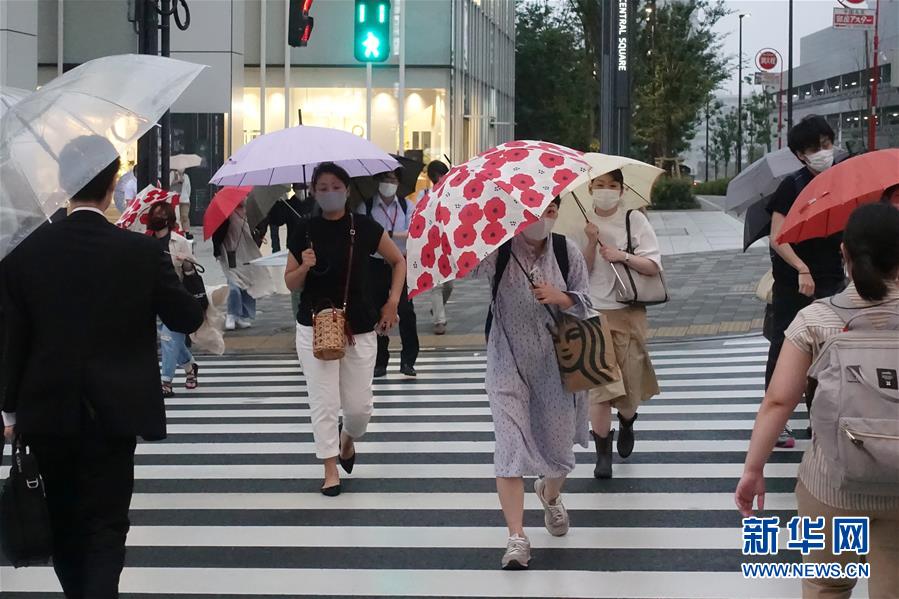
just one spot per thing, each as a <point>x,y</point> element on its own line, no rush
<point>299,28</point>
<point>371,42</point>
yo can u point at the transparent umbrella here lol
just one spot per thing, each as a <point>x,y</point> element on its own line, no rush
<point>115,98</point>
<point>10,96</point>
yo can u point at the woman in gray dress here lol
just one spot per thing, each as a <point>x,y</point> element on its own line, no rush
<point>536,422</point>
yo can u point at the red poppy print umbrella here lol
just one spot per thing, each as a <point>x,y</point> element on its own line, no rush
<point>137,214</point>
<point>481,204</point>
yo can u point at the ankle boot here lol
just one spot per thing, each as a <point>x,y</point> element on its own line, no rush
<point>626,436</point>
<point>603,455</point>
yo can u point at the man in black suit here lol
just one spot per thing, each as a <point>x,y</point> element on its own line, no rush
<point>80,379</point>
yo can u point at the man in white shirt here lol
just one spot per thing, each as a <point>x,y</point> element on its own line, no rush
<point>440,295</point>
<point>180,184</point>
<point>125,189</point>
<point>393,213</point>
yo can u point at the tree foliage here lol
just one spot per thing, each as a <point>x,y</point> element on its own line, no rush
<point>679,61</point>
<point>551,74</point>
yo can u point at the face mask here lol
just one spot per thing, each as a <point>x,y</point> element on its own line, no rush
<point>820,161</point>
<point>539,230</point>
<point>606,199</point>
<point>387,190</point>
<point>157,223</point>
<point>331,201</point>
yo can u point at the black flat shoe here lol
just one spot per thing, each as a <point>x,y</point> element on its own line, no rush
<point>346,464</point>
<point>331,491</point>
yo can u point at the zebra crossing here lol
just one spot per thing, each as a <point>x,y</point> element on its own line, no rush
<point>228,506</point>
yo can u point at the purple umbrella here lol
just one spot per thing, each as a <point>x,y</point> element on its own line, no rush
<point>290,156</point>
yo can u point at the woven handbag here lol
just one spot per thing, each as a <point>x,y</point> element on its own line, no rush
<point>331,331</point>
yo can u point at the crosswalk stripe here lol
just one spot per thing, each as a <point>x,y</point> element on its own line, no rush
<point>227,507</point>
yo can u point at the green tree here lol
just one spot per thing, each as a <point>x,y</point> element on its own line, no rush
<point>760,130</point>
<point>724,135</point>
<point>680,61</point>
<point>550,76</point>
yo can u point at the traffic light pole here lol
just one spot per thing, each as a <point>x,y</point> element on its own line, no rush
<point>286,65</point>
<point>148,145</point>
<point>401,112</point>
<point>368,101</point>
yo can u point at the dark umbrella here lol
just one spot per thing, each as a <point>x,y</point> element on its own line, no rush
<point>756,224</point>
<point>366,187</point>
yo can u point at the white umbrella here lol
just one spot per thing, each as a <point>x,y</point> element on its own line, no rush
<point>290,156</point>
<point>277,260</point>
<point>9,97</point>
<point>639,179</point>
<point>106,104</point>
<point>181,162</point>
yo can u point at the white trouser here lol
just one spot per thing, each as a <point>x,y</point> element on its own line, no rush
<point>438,306</point>
<point>338,384</point>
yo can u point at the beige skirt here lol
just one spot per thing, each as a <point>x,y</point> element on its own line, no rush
<point>638,380</point>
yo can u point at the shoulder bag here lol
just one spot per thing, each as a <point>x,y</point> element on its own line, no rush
<point>584,349</point>
<point>331,331</point>
<point>636,288</point>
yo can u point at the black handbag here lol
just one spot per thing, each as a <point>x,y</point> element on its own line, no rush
<point>25,534</point>
<point>194,284</point>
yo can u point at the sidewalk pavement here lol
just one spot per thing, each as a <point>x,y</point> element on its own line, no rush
<point>710,280</point>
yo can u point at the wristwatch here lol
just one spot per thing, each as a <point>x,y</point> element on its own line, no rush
<point>627,257</point>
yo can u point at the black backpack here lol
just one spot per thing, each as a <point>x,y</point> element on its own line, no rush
<point>560,249</point>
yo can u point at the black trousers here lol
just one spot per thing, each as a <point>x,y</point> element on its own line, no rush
<point>786,304</point>
<point>89,480</point>
<point>382,276</point>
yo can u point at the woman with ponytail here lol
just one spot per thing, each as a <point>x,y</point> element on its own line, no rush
<point>870,251</point>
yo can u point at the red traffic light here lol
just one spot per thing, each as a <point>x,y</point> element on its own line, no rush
<point>300,24</point>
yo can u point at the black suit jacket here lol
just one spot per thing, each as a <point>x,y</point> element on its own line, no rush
<point>80,299</point>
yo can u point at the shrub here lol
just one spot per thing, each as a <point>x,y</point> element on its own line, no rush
<point>717,187</point>
<point>674,194</point>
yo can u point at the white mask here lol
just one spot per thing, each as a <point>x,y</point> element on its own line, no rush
<point>387,190</point>
<point>606,199</point>
<point>539,230</point>
<point>820,161</point>
<point>331,201</point>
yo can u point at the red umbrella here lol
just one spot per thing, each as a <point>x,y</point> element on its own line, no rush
<point>825,204</point>
<point>221,207</point>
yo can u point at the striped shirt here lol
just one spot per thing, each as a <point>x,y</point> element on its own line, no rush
<point>812,327</point>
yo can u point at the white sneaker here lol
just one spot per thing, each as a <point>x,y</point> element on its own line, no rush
<point>230,325</point>
<point>518,553</point>
<point>243,323</point>
<point>555,516</point>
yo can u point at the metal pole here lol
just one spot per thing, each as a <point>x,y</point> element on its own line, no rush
<point>790,68</point>
<point>263,18</point>
<point>368,101</point>
<point>286,64</point>
<point>740,102</point>
<point>165,122</point>
<point>148,145</point>
<point>875,81</point>
<point>707,138</point>
<point>60,35</point>
<point>780,109</point>
<point>400,5</point>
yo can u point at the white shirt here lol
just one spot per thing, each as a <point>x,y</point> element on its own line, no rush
<point>391,217</point>
<point>125,190</point>
<point>612,232</point>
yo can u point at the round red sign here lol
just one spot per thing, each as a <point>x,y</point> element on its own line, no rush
<point>767,60</point>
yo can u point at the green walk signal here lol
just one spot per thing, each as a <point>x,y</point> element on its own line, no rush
<point>371,42</point>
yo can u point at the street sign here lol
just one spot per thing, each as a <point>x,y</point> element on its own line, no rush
<point>852,18</point>
<point>371,42</point>
<point>767,78</point>
<point>766,60</point>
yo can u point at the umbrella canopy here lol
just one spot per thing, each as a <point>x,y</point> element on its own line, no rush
<point>114,100</point>
<point>181,162</point>
<point>261,200</point>
<point>276,260</point>
<point>366,187</point>
<point>9,97</point>
<point>137,215</point>
<point>756,223</point>
<point>481,204</point>
<point>825,204</point>
<point>577,206</point>
<point>290,156</point>
<point>639,179</point>
<point>221,207</point>
<point>760,179</point>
